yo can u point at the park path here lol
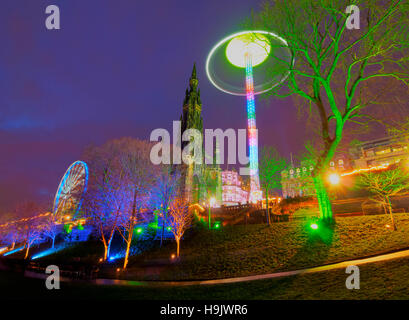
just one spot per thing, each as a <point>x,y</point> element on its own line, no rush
<point>333,266</point>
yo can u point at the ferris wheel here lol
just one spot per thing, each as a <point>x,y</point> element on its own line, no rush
<point>70,192</point>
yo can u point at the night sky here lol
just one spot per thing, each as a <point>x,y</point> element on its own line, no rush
<point>115,68</point>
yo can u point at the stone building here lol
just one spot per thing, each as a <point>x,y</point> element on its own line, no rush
<point>201,181</point>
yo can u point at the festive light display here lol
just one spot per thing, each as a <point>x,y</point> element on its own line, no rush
<point>248,49</point>
<point>356,171</point>
<point>42,215</point>
<point>73,185</point>
<point>255,45</point>
<point>264,46</point>
<point>255,193</point>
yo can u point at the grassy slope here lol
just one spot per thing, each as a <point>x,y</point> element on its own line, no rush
<point>385,280</point>
<point>256,249</point>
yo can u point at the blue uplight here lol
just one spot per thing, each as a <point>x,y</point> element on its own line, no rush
<point>13,251</point>
<point>47,252</point>
<point>115,257</point>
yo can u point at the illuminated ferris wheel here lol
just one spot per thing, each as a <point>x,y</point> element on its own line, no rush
<point>73,185</point>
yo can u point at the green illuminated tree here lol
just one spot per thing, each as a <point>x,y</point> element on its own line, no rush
<point>386,184</point>
<point>270,167</point>
<point>334,68</point>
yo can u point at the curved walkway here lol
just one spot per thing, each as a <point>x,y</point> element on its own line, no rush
<point>333,266</point>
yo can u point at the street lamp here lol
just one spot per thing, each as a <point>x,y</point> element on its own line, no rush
<point>334,178</point>
<point>212,203</point>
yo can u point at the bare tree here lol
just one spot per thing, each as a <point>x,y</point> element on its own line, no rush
<point>139,173</point>
<point>180,219</point>
<point>335,70</point>
<point>10,234</point>
<point>105,199</point>
<point>31,232</point>
<point>50,228</point>
<point>29,228</point>
<point>386,184</point>
<point>167,184</point>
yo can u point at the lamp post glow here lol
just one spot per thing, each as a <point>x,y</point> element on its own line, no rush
<point>334,178</point>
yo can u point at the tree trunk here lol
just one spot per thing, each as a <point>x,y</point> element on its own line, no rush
<point>13,245</point>
<point>391,214</point>
<point>105,251</point>
<point>177,247</point>
<point>130,231</point>
<point>53,245</point>
<point>108,249</point>
<point>163,230</point>
<point>267,212</point>
<point>209,218</point>
<point>323,200</point>
<point>128,246</point>
<point>28,248</point>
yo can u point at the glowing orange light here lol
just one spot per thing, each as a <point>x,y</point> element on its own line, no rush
<point>381,167</point>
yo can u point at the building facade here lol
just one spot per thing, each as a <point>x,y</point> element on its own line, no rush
<point>234,191</point>
<point>380,152</point>
<point>296,181</point>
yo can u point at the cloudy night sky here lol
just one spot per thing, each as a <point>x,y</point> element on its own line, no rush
<point>115,68</point>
